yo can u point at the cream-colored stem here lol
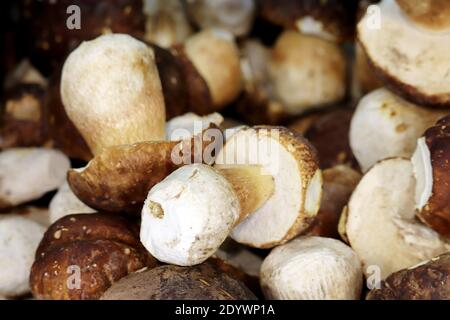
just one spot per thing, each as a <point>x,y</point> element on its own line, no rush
<point>251,186</point>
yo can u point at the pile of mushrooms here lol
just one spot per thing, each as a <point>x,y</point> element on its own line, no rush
<point>228,149</point>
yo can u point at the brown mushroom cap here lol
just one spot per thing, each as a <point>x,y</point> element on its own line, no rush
<point>435,212</point>
<point>104,247</point>
<point>430,280</point>
<point>201,282</point>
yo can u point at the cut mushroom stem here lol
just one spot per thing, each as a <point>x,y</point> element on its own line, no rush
<point>252,188</point>
<point>261,202</point>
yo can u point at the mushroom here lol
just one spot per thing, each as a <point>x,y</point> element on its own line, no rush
<point>429,280</point>
<point>332,20</point>
<point>431,162</point>
<point>65,202</point>
<point>259,171</point>
<point>166,22</point>
<point>379,221</point>
<point>224,79</point>
<point>235,16</point>
<point>40,215</point>
<point>81,255</point>
<point>28,173</point>
<point>202,282</point>
<point>384,125</point>
<point>112,92</point>
<point>312,268</point>
<point>119,178</point>
<point>407,49</point>
<point>190,124</point>
<point>19,237</point>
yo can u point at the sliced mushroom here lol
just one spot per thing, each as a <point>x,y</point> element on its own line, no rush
<point>384,125</point>
<point>431,162</point>
<point>408,49</point>
<point>380,221</point>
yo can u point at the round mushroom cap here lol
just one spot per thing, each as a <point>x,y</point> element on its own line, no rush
<point>307,72</point>
<point>431,14</point>
<point>202,282</point>
<point>188,215</point>
<point>384,125</point>
<point>28,173</point>
<point>409,59</point>
<point>312,268</point>
<point>293,163</point>
<point>19,237</point>
<point>381,221</point>
<point>216,57</point>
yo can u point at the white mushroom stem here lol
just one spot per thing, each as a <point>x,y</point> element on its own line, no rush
<point>251,187</point>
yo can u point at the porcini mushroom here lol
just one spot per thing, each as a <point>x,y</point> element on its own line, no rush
<point>408,48</point>
<point>431,162</point>
<point>380,221</point>
<point>262,175</point>
<point>312,268</point>
<point>28,173</point>
<point>112,92</point>
<point>385,125</point>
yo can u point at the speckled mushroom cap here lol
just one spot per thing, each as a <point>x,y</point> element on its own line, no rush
<point>381,221</point>
<point>384,125</point>
<point>312,268</point>
<point>410,58</point>
<point>293,164</point>
<point>431,162</point>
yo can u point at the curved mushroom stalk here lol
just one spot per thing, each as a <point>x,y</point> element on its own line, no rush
<point>312,268</point>
<point>112,92</point>
<point>380,221</point>
<point>241,196</point>
<point>409,48</point>
<point>431,162</point>
<point>384,125</point>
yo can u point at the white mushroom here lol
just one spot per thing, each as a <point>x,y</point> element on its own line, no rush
<point>111,90</point>
<point>190,124</point>
<point>380,221</point>
<point>262,199</point>
<point>312,268</point>
<point>409,48</point>
<point>384,125</point>
<point>28,173</point>
<point>65,202</point>
<point>19,238</point>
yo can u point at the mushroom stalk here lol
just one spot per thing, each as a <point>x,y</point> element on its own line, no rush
<point>252,187</point>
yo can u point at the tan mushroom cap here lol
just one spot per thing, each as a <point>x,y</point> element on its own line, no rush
<point>112,92</point>
<point>381,225</point>
<point>430,14</point>
<point>293,164</point>
<point>412,60</point>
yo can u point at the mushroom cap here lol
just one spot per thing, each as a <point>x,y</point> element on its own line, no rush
<point>312,268</point>
<point>411,60</point>
<point>431,162</point>
<point>202,282</point>
<point>293,164</point>
<point>429,280</point>
<point>431,14</point>
<point>381,220</point>
<point>112,92</point>
<point>188,215</point>
<point>28,173</point>
<point>19,237</point>
<point>307,72</point>
<point>384,125</point>
<point>65,202</point>
<point>216,57</point>
<point>235,16</point>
